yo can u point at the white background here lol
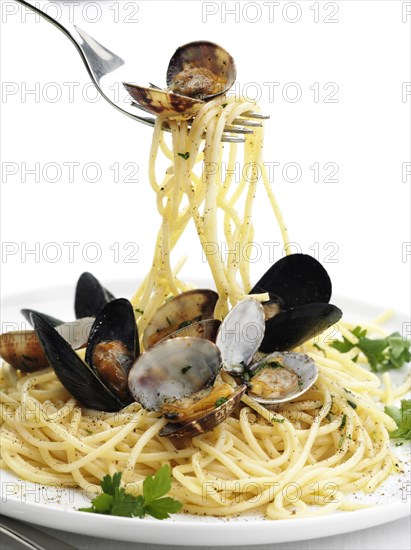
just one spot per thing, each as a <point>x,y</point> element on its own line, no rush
<point>363,217</point>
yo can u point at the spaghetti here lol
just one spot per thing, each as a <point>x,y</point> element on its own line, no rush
<point>329,442</point>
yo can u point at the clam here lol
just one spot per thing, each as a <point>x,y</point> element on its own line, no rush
<point>197,72</point>
<point>209,420</point>
<point>281,377</point>
<point>298,309</point>
<point>275,378</point>
<point>178,313</point>
<point>178,378</point>
<point>99,382</point>
<point>241,334</point>
<point>201,70</point>
<point>164,103</point>
<point>23,351</point>
<point>207,329</point>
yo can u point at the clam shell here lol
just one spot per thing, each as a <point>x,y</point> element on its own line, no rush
<point>202,329</point>
<point>206,422</point>
<point>241,334</point>
<point>173,369</point>
<point>22,350</point>
<point>164,103</point>
<point>188,307</point>
<point>204,55</point>
<point>301,364</point>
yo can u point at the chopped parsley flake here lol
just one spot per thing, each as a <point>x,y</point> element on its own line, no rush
<point>220,401</point>
<point>185,155</point>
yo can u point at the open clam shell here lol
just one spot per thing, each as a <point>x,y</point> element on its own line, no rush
<point>173,369</point>
<point>201,70</point>
<point>179,312</point>
<point>164,103</point>
<point>299,363</point>
<point>22,349</point>
<point>208,421</point>
<point>241,334</point>
<point>207,329</point>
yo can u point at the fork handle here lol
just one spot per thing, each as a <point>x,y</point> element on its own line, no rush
<point>47,17</point>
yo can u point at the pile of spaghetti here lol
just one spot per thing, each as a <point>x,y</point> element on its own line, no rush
<point>331,441</point>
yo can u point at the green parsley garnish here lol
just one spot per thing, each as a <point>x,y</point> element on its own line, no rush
<point>138,310</point>
<point>220,401</point>
<point>168,321</point>
<point>184,324</point>
<point>382,353</point>
<point>343,422</point>
<point>279,420</point>
<point>402,417</point>
<point>352,404</point>
<point>341,441</point>
<point>224,105</point>
<point>185,155</point>
<point>186,369</point>
<point>115,501</point>
<point>266,365</point>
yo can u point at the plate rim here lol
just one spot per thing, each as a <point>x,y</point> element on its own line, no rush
<point>218,531</point>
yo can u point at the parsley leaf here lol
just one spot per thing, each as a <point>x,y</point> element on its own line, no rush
<point>116,502</point>
<point>402,417</point>
<point>185,155</point>
<point>382,353</point>
<point>220,401</point>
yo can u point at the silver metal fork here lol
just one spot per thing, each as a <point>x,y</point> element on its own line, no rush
<point>103,64</point>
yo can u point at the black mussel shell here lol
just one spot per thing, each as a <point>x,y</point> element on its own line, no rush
<point>115,322</point>
<point>52,320</point>
<point>296,279</point>
<point>291,328</point>
<point>76,376</point>
<point>90,297</point>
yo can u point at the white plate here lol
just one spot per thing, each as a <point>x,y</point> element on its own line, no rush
<point>56,508</point>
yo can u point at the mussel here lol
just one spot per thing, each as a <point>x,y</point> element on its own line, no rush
<point>22,349</point>
<point>197,72</point>
<point>90,296</point>
<point>300,289</point>
<point>99,382</point>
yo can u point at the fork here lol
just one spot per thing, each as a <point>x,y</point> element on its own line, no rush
<point>102,64</point>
